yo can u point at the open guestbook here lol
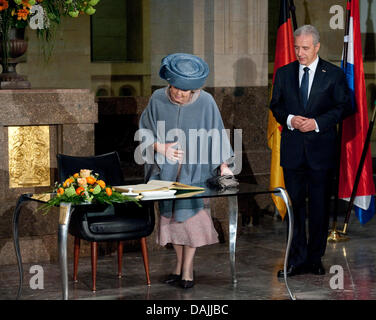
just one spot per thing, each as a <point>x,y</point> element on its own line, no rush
<point>160,187</point>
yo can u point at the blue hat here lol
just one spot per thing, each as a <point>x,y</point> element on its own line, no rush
<point>184,71</point>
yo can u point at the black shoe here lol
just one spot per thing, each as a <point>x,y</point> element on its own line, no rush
<point>186,284</point>
<point>317,268</point>
<point>172,278</point>
<point>291,271</point>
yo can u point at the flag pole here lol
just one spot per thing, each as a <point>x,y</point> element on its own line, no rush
<point>359,171</point>
<point>292,10</point>
<point>335,235</point>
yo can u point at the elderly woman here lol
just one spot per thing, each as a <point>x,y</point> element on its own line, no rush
<point>175,115</point>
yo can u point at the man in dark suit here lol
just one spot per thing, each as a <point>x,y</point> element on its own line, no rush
<point>310,97</point>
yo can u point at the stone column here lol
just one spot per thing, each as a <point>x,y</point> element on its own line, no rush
<point>239,83</point>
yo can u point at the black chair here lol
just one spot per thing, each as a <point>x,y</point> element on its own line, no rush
<point>94,223</point>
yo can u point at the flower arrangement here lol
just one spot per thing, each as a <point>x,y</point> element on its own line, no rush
<point>85,187</point>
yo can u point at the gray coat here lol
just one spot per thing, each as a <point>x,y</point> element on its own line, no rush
<point>185,124</point>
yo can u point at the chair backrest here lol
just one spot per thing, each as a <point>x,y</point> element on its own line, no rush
<point>106,165</point>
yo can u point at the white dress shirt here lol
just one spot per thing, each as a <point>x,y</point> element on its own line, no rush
<point>311,73</point>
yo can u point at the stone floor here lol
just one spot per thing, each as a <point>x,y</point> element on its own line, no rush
<point>259,255</point>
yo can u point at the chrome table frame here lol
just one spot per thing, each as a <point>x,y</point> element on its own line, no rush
<point>66,210</point>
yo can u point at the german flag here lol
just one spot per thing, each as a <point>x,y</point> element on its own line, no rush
<point>284,54</point>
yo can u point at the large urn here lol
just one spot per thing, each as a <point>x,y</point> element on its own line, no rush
<point>17,46</point>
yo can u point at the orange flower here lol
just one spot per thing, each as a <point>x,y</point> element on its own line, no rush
<point>22,14</point>
<point>101,183</point>
<point>90,180</point>
<point>76,175</point>
<point>3,5</point>
<point>68,182</point>
<point>109,191</point>
<point>60,191</point>
<point>80,190</point>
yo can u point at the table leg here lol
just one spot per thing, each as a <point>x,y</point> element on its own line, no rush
<point>233,226</point>
<point>16,214</point>
<point>282,193</point>
<point>64,218</point>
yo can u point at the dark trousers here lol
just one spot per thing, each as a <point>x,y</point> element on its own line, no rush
<point>314,184</point>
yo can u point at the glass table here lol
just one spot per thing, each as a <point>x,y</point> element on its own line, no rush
<point>67,209</point>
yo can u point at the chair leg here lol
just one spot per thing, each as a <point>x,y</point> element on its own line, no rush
<point>76,255</point>
<point>144,250</point>
<point>94,255</point>
<point>120,258</point>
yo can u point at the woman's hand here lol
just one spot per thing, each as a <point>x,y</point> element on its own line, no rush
<point>168,150</point>
<point>225,170</point>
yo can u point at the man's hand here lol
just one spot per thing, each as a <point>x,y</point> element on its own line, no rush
<point>308,125</point>
<point>297,121</point>
<point>303,124</point>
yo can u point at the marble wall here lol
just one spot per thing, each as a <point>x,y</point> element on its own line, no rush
<point>70,115</point>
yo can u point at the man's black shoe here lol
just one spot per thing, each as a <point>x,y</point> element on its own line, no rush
<point>291,271</point>
<point>317,268</point>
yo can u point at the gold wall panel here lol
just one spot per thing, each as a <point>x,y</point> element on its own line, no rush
<point>29,156</point>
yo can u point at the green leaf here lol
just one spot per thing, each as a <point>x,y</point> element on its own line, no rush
<point>74,14</point>
<point>93,2</point>
<point>90,10</point>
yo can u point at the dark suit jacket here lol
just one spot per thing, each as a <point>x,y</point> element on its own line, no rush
<point>329,102</point>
